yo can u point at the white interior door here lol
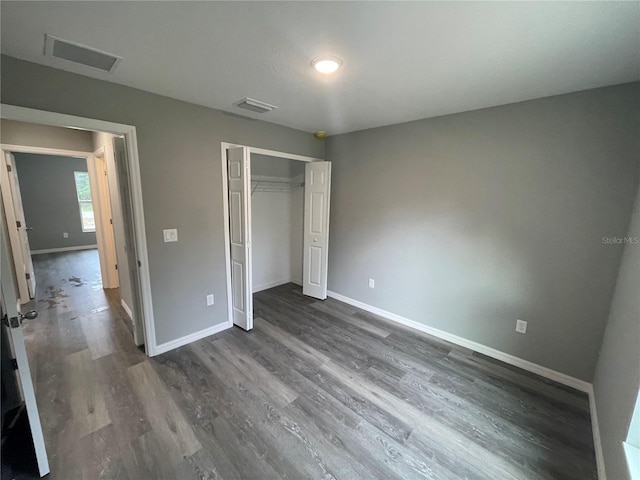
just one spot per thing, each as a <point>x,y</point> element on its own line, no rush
<point>18,237</point>
<point>11,322</point>
<point>239,172</point>
<point>126,204</point>
<point>317,194</point>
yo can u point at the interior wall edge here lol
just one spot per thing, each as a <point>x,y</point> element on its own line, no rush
<point>595,428</point>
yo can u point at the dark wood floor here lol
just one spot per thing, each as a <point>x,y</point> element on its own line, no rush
<point>316,390</point>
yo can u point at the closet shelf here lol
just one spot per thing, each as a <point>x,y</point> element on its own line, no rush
<point>275,186</point>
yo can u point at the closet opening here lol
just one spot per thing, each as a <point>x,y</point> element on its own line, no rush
<point>277,206</point>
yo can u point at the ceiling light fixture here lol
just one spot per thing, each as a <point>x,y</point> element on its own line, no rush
<point>326,64</point>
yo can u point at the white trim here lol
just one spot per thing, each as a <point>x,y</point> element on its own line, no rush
<point>227,242</point>
<point>63,249</point>
<point>179,342</point>
<point>290,156</point>
<point>224,146</point>
<point>43,150</point>
<point>126,309</point>
<point>545,372</point>
<point>477,347</point>
<point>102,211</point>
<point>269,285</point>
<point>595,429</point>
<point>29,115</point>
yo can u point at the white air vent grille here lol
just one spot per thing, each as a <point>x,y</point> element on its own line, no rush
<point>80,54</point>
<point>254,105</point>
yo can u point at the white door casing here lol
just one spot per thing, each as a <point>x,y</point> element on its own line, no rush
<point>239,177</point>
<point>102,210</point>
<point>317,190</point>
<point>19,238</point>
<point>16,338</point>
<point>128,220</point>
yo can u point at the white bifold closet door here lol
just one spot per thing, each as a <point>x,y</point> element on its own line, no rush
<point>317,189</point>
<point>238,168</point>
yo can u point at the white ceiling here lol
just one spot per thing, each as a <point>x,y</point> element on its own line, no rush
<point>402,61</point>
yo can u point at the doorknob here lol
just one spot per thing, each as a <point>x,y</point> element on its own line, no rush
<point>30,315</point>
<point>14,322</point>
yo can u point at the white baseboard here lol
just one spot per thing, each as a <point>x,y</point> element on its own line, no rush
<point>179,342</point>
<point>595,428</point>
<point>127,309</point>
<point>269,285</point>
<point>545,372</point>
<point>63,249</point>
<point>476,347</point>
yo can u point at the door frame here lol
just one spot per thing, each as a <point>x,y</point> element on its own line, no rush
<point>224,146</point>
<point>29,115</point>
<point>102,210</point>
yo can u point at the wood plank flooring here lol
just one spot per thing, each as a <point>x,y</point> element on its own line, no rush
<point>316,390</point>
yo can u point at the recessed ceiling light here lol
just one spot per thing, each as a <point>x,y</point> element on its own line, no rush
<point>326,64</point>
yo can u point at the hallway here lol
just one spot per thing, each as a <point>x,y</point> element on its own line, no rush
<point>79,349</point>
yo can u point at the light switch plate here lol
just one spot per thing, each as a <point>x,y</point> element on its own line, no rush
<point>170,235</point>
<point>210,300</point>
<point>521,326</point>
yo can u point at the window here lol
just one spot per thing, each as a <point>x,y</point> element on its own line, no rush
<point>84,201</point>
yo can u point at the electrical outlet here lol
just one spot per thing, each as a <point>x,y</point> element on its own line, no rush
<point>210,300</point>
<point>170,235</point>
<point>521,326</point>
<point>65,235</point>
<point>372,283</point>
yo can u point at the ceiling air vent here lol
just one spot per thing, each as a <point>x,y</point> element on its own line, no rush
<point>254,105</point>
<point>80,54</point>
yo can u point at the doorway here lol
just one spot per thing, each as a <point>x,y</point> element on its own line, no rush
<point>69,206</point>
<point>13,305</point>
<point>238,187</point>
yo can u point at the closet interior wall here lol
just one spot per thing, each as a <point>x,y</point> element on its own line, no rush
<point>277,215</point>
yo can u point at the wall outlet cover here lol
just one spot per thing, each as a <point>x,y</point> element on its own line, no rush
<point>372,283</point>
<point>210,300</point>
<point>521,326</point>
<point>65,235</point>
<point>170,235</point>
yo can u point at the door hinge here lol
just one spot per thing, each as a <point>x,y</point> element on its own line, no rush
<point>14,363</point>
<point>116,266</point>
<point>111,221</point>
<point>18,224</point>
<point>8,168</point>
<point>13,322</point>
<point>28,275</point>
<point>139,263</point>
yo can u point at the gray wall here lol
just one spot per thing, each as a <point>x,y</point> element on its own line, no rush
<point>468,222</point>
<point>617,378</point>
<point>33,135</point>
<point>276,223</point>
<point>50,201</point>
<point>179,147</point>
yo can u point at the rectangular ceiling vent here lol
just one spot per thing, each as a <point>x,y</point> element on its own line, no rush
<point>254,105</point>
<point>55,47</point>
